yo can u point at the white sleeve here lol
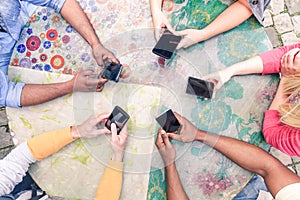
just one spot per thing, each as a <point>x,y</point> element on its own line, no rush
<point>14,167</point>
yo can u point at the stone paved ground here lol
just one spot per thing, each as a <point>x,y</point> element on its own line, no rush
<point>282,24</point>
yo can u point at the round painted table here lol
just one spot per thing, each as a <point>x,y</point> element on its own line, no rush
<point>50,50</point>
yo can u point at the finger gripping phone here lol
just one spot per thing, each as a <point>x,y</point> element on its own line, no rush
<point>112,71</point>
<point>200,87</point>
<point>166,45</point>
<point>168,121</point>
<point>119,117</point>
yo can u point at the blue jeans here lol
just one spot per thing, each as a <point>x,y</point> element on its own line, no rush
<point>251,190</point>
<point>26,184</point>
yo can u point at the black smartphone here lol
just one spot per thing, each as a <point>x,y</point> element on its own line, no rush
<point>166,45</point>
<point>200,87</point>
<point>119,117</point>
<point>112,71</point>
<point>168,121</point>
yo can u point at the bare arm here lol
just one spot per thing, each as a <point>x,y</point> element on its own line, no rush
<point>33,94</point>
<point>167,151</point>
<point>174,187</point>
<point>234,15</point>
<point>74,14</point>
<point>253,65</point>
<point>252,158</point>
<point>246,155</point>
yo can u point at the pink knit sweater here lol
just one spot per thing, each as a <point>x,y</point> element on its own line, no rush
<point>281,136</point>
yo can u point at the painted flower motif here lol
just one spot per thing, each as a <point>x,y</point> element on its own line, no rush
<point>168,5</point>
<point>21,48</point>
<point>51,34</point>
<point>267,94</point>
<point>212,116</point>
<point>57,61</point>
<point>157,186</point>
<point>57,43</point>
<point>29,31</point>
<point>55,19</point>
<point>101,1</point>
<point>15,62</point>
<point>210,183</point>
<point>33,43</point>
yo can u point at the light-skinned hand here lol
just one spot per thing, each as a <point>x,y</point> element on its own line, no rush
<point>118,142</point>
<point>160,23</point>
<point>102,54</point>
<point>188,131</point>
<point>290,62</point>
<point>219,78</point>
<point>82,81</point>
<point>89,128</point>
<point>165,148</point>
<point>190,37</point>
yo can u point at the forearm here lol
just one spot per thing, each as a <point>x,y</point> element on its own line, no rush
<point>155,5</point>
<point>43,145</point>
<point>246,155</point>
<point>33,94</point>
<point>111,182</point>
<point>234,15</point>
<point>74,15</point>
<point>174,187</point>
<point>253,65</point>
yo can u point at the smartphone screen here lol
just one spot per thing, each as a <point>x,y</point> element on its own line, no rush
<point>168,121</point>
<point>200,87</point>
<point>112,71</point>
<point>166,45</point>
<point>119,117</point>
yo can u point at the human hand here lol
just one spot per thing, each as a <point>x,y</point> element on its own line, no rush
<point>190,37</point>
<point>165,148</point>
<point>102,54</point>
<point>160,23</point>
<point>82,81</point>
<point>89,128</point>
<point>188,131</point>
<point>118,142</point>
<point>219,78</point>
<point>290,62</point>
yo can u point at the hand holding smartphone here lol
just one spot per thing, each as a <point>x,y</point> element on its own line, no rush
<point>168,121</point>
<point>200,87</point>
<point>119,117</point>
<point>166,45</point>
<point>112,71</point>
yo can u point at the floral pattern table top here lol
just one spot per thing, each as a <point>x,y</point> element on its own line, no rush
<point>50,50</point>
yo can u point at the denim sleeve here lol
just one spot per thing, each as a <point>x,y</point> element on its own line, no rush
<point>10,92</point>
<point>55,4</point>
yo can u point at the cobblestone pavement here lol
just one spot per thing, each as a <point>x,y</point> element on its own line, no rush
<point>282,24</point>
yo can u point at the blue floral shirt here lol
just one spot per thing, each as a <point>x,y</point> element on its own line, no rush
<point>13,16</point>
<point>258,7</point>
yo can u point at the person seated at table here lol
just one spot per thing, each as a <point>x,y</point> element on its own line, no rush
<point>281,181</point>
<point>281,127</point>
<point>15,165</point>
<point>234,15</point>
<point>13,16</point>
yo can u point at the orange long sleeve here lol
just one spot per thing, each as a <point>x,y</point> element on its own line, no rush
<point>111,183</point>
<point>43,145</point>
